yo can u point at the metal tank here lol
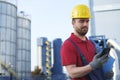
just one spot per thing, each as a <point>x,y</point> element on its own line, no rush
<point>57,66</point>
<point>106,20</point>
<point>57,69</point>
<point>8,14</point>
<point>23,58</point>
<point>107,15</point>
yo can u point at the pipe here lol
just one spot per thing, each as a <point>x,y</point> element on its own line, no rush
<point>6,67</point>
<point>93,29</point>
<point>113,44</point>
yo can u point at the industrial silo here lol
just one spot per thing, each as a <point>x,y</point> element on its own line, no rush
<point>107,15</point>
<point>23,63</point>
<point>8,14</point>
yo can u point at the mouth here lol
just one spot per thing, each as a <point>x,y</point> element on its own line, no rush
<point>84,28</point>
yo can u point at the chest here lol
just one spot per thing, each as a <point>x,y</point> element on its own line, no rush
<point>87,50</point>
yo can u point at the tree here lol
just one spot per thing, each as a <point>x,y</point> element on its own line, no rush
<point>37,71</point>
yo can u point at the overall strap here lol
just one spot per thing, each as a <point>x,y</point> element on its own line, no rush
<point>82,57</point>
<point>94,75</point>
<point>84,62</point>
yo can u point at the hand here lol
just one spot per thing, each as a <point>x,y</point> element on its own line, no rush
<point>105,51</point>
<point>98,61</point>
<point>109,75</point>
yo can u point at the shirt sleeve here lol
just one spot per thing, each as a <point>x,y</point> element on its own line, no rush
<point>68,54</point>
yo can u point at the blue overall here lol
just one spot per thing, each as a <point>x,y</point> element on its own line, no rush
<point>93,75</point>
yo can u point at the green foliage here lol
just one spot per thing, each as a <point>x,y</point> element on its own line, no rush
<point>37,71</point>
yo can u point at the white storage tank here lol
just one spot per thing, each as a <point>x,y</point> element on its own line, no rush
<point>23,64</point>
<point>8,24</point>
<point>107,15</point>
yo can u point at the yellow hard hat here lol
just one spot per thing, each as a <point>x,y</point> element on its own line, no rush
<point>81,11</point>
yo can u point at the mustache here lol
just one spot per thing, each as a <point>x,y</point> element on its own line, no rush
<point>84,27</point>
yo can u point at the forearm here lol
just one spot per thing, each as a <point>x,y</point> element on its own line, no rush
<point>76,72</point>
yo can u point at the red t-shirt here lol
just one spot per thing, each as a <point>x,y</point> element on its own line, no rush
<point>70,55</point>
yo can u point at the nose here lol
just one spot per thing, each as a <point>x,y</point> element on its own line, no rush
<point>85,23</point>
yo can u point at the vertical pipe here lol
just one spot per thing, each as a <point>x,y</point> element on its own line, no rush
<point>93,30</point>
<point>0,53</point>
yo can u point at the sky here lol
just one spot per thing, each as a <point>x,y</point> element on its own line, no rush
<point>49,18</point>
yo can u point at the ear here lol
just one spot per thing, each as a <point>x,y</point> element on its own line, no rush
<point>73,22</point>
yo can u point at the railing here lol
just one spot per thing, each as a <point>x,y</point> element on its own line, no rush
<point>9,69</point>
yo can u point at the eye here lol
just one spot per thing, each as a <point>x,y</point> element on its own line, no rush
<point>81,21</point>
<point>87,21</point>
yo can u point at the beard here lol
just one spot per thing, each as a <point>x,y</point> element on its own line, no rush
<point>82,31</point>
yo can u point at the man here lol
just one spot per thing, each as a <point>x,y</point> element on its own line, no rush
<point>71,58</point>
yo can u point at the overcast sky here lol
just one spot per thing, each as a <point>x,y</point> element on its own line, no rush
<point>49,18</point>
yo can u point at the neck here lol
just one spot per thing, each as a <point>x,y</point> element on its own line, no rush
<point>81,37</point>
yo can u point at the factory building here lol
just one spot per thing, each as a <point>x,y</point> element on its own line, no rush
<point>49,59</point>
